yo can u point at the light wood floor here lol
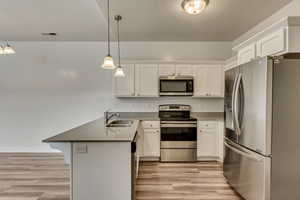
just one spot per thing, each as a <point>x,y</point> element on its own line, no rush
<point>33,177</point>
<point>39,176</point>
<point>195,181</point>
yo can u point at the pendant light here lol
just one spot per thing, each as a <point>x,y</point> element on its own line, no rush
<point>194,7</point>
<point>7,49</point>
<point>108,62</point>
<point>119,71</point>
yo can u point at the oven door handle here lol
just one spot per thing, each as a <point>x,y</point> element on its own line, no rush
<point>178,122</point>
<point>178,125</point>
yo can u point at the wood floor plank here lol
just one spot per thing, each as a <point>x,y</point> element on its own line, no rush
<point>183,181</point>
<point>44,176</point>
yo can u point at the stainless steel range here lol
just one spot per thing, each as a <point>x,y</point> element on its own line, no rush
<point>178,134</point>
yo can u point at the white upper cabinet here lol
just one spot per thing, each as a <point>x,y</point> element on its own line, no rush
<point>140,81</point>
<point>231,63</point>
<point>146,80</point>
<point>276,39</point>
<point>184,70</point>
<point>246,54</point>
<point>124,86</point>
<point>167,70</point>
<point>179,69</point>
<point>208,81</point>
<point>272,44</point>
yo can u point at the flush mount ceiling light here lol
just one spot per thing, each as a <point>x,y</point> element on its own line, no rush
<point>194,7</point>
<point>119,71</point>
<point>108,62</point>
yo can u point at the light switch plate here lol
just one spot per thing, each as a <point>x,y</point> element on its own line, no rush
<point>81,148</point>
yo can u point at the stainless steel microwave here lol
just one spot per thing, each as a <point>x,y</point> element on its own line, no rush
<point>176,86</point>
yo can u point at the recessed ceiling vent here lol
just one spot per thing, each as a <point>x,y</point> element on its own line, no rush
<point>49,34</point>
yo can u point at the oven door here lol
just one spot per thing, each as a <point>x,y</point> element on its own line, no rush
<point>178,131</point>
<point>178,142</point>
<point>176,87</point>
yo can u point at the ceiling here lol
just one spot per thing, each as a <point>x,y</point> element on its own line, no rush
<point>143,20</point>
<point>72,19</point>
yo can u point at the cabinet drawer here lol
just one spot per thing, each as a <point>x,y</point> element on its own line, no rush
<point>150,124</point>
<point>207,124</point>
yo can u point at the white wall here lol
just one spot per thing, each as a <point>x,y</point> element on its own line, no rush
<point>292,9</point>
<point>50,87</point>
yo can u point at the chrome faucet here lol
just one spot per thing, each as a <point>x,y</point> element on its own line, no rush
<point>109,115</point>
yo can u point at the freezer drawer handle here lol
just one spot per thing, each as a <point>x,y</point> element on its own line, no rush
<point>245,154</point>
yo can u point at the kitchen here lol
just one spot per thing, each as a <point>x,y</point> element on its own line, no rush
<point>54,84</point>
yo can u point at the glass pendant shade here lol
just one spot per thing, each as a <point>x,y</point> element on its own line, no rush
<point>108,63</point>
<point>119,72</point>
<point>8,50</point>
<point>194,7</point>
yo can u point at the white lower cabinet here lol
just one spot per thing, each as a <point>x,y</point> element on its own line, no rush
<point>208,140</point>
<point>151,140</point>
<point>151,143</point>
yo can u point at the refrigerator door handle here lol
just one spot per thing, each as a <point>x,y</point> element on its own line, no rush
<point>233,100</point>
<point>242,152</point>
<point>236,106</point>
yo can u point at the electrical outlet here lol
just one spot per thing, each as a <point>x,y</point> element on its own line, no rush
<point>81,148</point>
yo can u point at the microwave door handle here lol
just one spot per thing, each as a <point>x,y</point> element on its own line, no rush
<point>236,104</point>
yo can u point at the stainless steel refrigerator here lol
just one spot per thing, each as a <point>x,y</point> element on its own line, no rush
<point>262,138</point>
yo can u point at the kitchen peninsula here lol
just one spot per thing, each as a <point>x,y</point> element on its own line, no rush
<point>102,159</point>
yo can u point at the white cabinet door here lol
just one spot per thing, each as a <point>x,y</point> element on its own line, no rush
<point>167,70</point>
<point>271,44</point>
<point>208,81</point>
<point>184,70</point>
<point>146,80</point>
<point>124,86</point>
<point>246,54</point>
<point>208,140</point>
<point>151,143</point>
<point>140,141</point>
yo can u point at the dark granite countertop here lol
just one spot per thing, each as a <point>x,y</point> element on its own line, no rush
<point>96,131</point>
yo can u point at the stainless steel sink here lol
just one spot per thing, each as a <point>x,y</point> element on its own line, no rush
<point>120,123</point>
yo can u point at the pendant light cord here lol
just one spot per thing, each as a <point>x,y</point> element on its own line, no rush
<point>118,29</point>
<point>108,28</point>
